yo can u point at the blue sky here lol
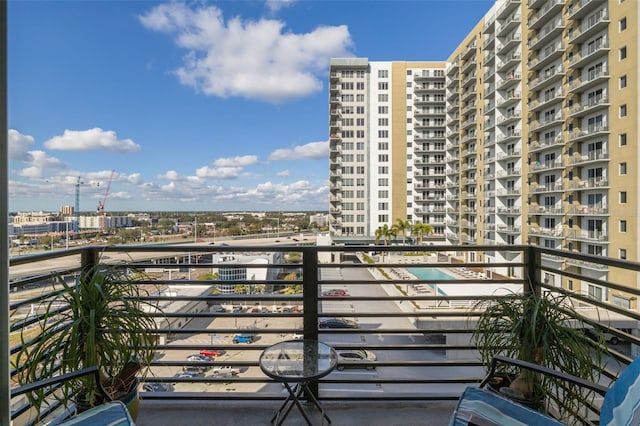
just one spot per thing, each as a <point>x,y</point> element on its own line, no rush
<point>198,105</point>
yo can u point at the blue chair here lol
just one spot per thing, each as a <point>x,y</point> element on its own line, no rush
<point>480,406</point>
<point>112,413</point>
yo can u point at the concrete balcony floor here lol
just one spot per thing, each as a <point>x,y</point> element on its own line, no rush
<point>246,413</point>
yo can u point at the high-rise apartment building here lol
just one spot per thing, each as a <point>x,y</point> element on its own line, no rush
<point>527,133</point>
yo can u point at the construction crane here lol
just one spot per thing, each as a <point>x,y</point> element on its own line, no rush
<point>76,224</point>
<point>101,204</point>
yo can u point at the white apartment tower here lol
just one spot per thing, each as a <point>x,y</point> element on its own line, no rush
<point>387,145</point>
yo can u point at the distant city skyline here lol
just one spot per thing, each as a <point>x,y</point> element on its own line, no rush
<point>205,107</point>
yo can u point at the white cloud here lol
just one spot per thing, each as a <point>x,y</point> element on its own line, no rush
<point>19,146</point>
<point>284,173</point>
<point>310,150</point>
<point>243,161</point>
<point>251,59</point>
<point>219,172</point>
<point>276,5</point>
<point>92,139</point>
<point>41,164</point>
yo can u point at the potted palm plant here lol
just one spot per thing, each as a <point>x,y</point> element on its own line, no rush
<point>98,321</point>
<point>543,329</point>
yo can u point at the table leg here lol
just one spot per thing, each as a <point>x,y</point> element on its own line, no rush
<point>310,395</point>
<point>293,398</point>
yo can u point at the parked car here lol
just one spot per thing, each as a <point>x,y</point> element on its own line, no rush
<point>347,357</point>
<point>198,357</point>
<point>157,387</point>
<point>337,323</point>
<point>210,352</point>
<point>225,370</point>
<point>243,338</point>
<point>297,336</point>
<point>335,292</point>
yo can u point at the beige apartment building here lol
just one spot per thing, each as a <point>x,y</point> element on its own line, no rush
<point>527,133</point>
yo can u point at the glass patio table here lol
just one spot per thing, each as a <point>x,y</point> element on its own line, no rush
<point>295,364</point>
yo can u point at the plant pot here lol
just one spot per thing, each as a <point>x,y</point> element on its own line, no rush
<point>131,400</point>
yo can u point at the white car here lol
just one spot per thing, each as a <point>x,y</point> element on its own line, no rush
<point>225,370</point>
<point>348,357</point>
<point>296,336</point>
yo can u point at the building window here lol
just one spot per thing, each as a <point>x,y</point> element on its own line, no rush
<point>623,81</point>
<point>622,225</point>
<point>623,254</point>
<point>622,53</point>
<point>622,302</point>
<point>623,168</point>
<point>383,73</point>
<point>383,85</point>
<point>623,197</point>
<point>622,24</point>
<point>623,110</point>
<point>622,139</point>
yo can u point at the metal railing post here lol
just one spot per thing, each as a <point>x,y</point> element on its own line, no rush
<point>89,260</point>
<point>5,374</point>
<point>532,271</point>
<point>310,299</point>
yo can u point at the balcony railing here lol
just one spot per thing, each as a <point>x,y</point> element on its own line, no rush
<point>405,300</point>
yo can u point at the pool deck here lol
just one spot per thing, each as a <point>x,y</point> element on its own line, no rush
<point>403,274</point>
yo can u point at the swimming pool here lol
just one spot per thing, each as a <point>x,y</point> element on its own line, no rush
<point>430,274</point>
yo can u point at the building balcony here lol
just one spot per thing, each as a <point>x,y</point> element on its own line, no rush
<point>546,78</point>
<point>509,99</point>
<point>542,16</point>
<point>542,59</point>
<point>509,137</point>
<point>509,80</point>
<point>546,101</point>
<point>592,79</point>
<point>546,34</point>
<point>546,123</point>
<point>508,25</point>
<point>510,60</point>
<point>588,133</point>
<point>545,210</point>
<point>510,118</point>
<point>508,43</point>
<point>590,27</point>
<point>589,236</point>
<point>504,229</point>
<point>468,65</point>
<point>588,210</point>
<point>591,183</point>
<point>507,8</point>
<point>544,144</point>
<point>512,154</point>
<point>509,210</point>
<point>590,54</point>
<point>539,231</point>
<point>423,360</point>
<point>539,166</point>
<point>590,157</point>
<point>539,189</point>
<point>581,8</point>
<point>589,106</point>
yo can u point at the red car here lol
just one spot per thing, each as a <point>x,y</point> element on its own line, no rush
<point>334,292</point>
<point>210,352</point>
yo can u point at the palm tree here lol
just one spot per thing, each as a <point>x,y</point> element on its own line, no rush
<point>384,232</point>
<point>403,226</point>
<point>422,229</point>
